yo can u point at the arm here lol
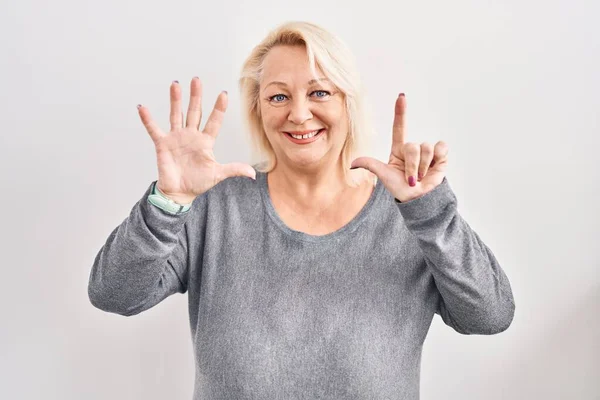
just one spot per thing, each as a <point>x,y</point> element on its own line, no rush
<point>476,297</point>
<point>144,260</point>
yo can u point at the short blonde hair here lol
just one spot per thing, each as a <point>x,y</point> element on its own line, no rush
<point>337,63</point>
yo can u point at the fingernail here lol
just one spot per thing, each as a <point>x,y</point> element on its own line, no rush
<point>411,181</point>
<point>138,106</point>
<point>401,94</point>
<point>176,81</point>
<point>225,91</point>
<point>420,176</point>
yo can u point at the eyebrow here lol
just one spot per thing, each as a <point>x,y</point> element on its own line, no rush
<point>311,82</point>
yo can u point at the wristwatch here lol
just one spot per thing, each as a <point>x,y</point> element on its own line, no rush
<point>163,202</point>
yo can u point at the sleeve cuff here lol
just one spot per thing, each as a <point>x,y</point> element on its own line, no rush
<point>425,206</point>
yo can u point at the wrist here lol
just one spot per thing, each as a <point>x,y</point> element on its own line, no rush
<point>179,199</point>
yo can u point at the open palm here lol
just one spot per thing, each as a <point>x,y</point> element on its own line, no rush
<point>185,158</point>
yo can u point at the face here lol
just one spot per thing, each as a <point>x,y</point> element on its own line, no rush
<point>305,119</point>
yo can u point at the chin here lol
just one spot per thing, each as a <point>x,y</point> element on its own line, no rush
<point>306,162</point>
<point>309,159</point>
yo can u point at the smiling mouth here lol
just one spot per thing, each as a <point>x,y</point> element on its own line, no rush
<point>307,138</point>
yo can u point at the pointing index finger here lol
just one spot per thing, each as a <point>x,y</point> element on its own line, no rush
<point>398,127</point>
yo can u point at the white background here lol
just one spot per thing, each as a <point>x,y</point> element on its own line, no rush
<point>512,87</point>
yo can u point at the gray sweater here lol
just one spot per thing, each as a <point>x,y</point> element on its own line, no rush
<point>280,314</point>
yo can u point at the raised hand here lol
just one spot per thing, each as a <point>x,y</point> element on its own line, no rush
<point>186,163</point>
<point>413,169</point>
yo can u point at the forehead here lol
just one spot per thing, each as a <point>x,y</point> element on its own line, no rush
<point>287,64</point>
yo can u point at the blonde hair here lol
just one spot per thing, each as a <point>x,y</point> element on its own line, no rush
<point>336,61</point>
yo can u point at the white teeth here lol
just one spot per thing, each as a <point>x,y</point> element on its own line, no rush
<point>307,136</point>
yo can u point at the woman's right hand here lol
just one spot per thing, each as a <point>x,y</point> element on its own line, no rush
<point>186,163</point>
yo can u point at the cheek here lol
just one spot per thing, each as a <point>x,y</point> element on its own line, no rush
<point>335,115</point>
<point>272,119</point>
<point>338,123</point>
<point>272,126</point>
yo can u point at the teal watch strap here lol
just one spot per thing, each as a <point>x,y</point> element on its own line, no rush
<point>163,202</point>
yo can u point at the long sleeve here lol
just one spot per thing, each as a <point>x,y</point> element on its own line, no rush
<point>476,297</point>
<point>144,260</point>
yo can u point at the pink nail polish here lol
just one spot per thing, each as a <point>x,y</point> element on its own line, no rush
<point>411,181</point>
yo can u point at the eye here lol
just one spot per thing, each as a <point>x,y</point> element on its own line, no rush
<point>278,98</point>
<point>322,93</point>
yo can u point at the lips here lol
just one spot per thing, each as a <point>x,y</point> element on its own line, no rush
<point>303,133</point>
<point>303,140</point>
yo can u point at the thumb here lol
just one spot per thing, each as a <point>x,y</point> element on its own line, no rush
<point>371,164</point>
<point>237,169</point>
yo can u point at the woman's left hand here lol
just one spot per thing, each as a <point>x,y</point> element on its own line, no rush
<point>414,169</point>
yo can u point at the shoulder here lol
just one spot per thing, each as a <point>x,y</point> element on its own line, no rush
<point>237,187</point>
<point>232,191</point>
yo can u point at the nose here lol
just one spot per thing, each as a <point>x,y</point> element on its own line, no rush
<point>300,111</point>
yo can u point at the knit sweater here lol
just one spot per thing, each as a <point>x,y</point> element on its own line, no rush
<point>280,314</point>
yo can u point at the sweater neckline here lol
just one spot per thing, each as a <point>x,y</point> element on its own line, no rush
<point>261,178</point>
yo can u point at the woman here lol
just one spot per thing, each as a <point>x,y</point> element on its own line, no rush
<point>311,279</point>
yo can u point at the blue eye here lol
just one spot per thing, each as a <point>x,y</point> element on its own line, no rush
<point>326,93</point>
<point>276,96</point>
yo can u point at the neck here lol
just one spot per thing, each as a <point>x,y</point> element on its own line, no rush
<point>309,188</point>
